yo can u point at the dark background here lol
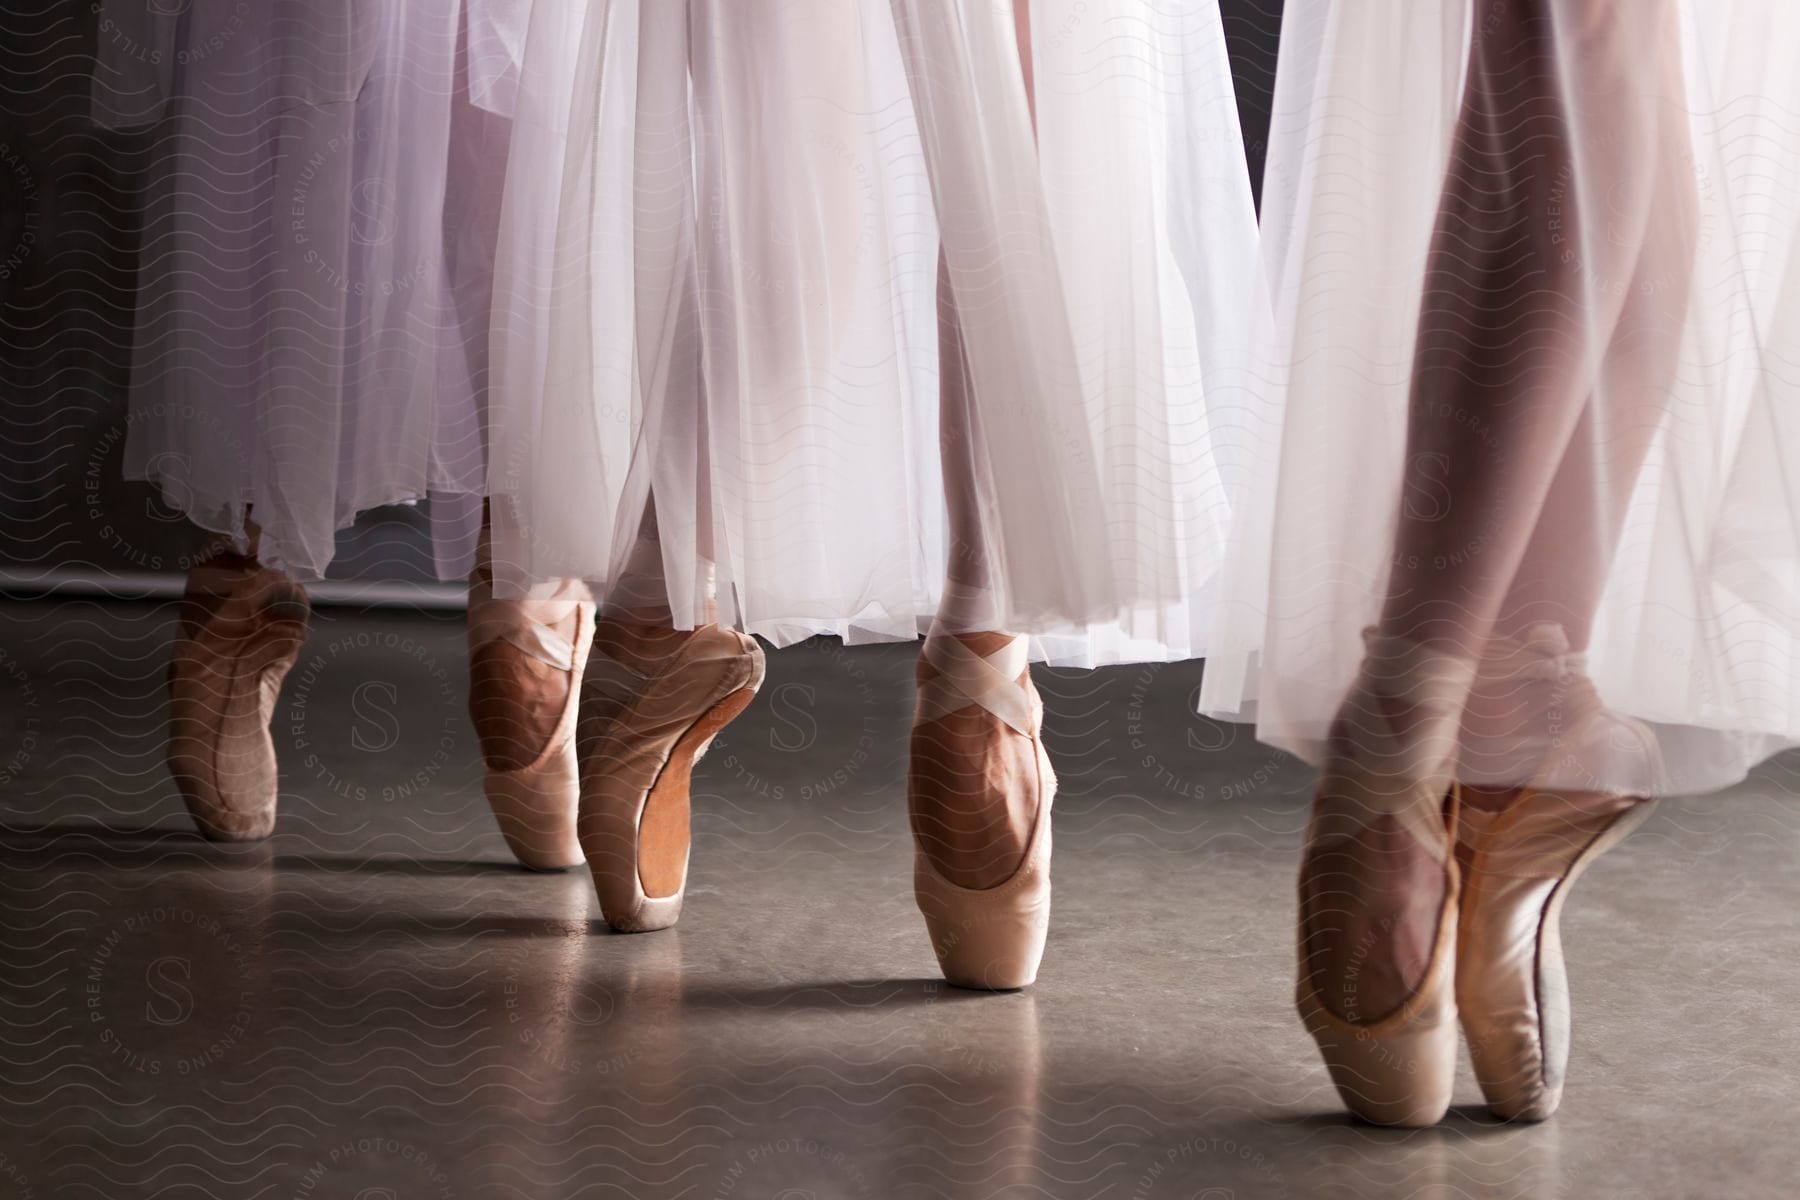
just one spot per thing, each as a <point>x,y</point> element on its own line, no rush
<point>67,262</point>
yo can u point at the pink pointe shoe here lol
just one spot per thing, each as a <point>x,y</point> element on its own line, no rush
<point>242,628</point>
<point>1400,1068</point>
<point>1512,985</point>
<point>535,805</point>
<point>987,938</point>
<point>641,733</point>
<point>1521,861</point>
<point>1391,1059</point>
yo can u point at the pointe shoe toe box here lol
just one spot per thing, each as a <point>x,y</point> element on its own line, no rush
<point>1398,1072</point>
<point>217,825</point>
<point>990,940</point>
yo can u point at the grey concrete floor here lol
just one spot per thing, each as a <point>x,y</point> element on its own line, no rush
<point>377,999</point>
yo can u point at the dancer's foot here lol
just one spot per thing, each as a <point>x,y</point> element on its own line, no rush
<point>640,643</point>
<point>1522,853</point>
<point>979,794</point>
<point>241,628</point>
<point>973,783</point>
<point>1378,886</point>
<point>652,702</point>
<point>517,695</point>
<point>1535,718</point>
<point>526,658</point>
<point>1373,878</point>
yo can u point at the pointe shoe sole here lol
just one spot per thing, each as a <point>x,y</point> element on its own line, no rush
<point>1519,1039</point>
<point>221,702</point>
<point>664,836</point>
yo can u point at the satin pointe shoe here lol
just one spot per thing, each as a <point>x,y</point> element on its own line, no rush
<point>1521,860</point>
<point>1512,985</point>
<point>1392,749</point>
<point>987,938</point>
<point>640,733</point>
<point>242,627</point>
<point>1399,1069</point>
<point>536,804</point>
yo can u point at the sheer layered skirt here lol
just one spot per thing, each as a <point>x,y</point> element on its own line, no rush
<point>733,219</point>
<point>316,261</point>
<point>1553,397</point>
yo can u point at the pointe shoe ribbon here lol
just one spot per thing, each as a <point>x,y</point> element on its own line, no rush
<point>988,938</point>
<point>1394,753</point>
<point>526,625</point>
<point>535,805</point>
<point>964,677</point>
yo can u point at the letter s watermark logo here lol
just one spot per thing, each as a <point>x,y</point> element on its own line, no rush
<point>794,727</point>
<point>374,705</point>
<point>171,1001</point>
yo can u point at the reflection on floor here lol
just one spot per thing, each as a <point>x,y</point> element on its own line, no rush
<point>376,999</point>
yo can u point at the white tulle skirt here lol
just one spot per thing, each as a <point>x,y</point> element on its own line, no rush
<point>317,256</point>
<point>1698,628</point>
<point>718,289</point>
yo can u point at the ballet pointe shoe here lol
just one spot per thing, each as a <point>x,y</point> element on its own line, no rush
<point>1396,1065</point>
<point>242,629</point>
<point>1399,1070</point>
<point>988,939</point>
<point>1511,983</point>
<point>637,753</point>
<point>535,805</point>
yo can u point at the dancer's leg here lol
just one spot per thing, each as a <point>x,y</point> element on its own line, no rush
<point>1567,216</point>
<point>636,618</point>
<point>1518,293</point>
<point>1534,717</point>
<point>1564,566</point>
<point>973,792</point>
<point>973,795</point>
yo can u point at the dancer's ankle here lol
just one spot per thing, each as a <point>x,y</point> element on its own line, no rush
<point>641,638</point>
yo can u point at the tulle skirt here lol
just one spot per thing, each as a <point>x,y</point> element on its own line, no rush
<point>723,233</point>
<point>1673,224</point>
<point>317,256</point>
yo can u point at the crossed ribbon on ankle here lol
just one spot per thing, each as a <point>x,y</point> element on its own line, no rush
<point>966,678</point>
